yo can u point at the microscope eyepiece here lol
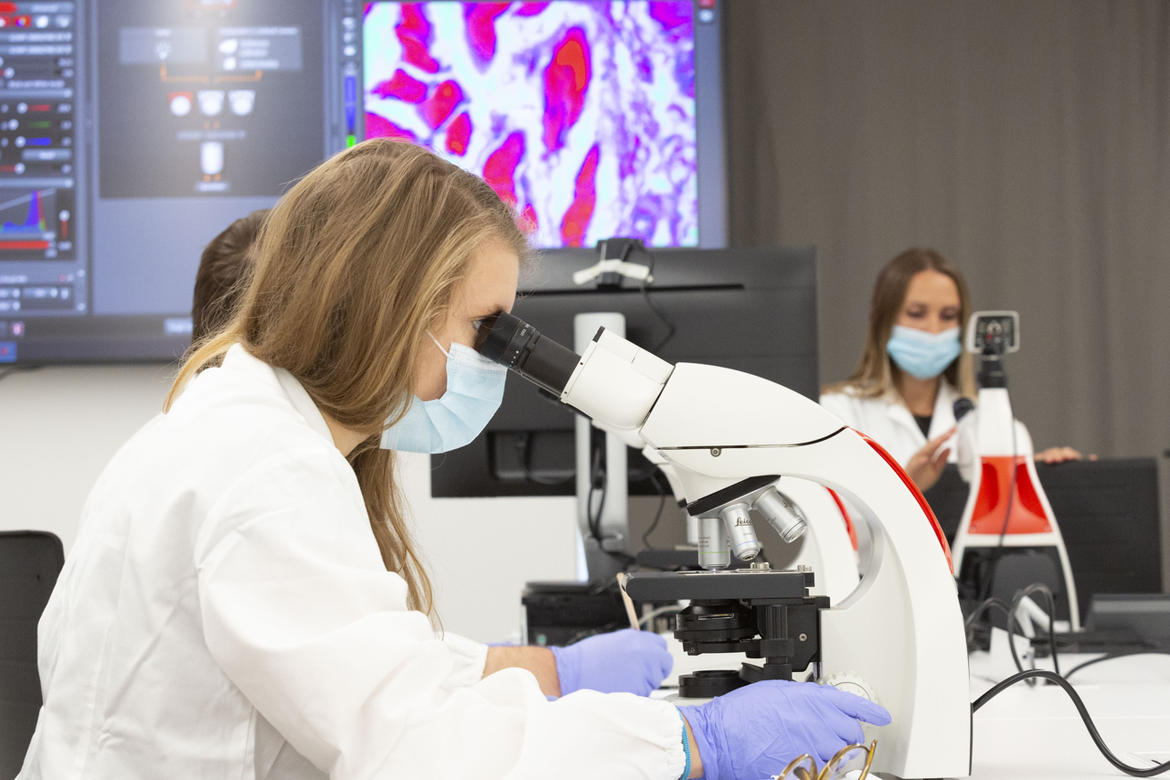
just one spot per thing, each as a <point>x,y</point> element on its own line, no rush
<point>512,342</point>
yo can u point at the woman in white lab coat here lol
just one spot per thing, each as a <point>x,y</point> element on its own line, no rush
<point>244,598</point>
<point>913,367</point>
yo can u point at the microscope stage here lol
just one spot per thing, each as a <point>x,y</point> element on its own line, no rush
<point>736,584</point>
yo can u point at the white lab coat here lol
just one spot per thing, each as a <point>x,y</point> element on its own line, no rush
<point>225,613</point>
<point>887,421</point>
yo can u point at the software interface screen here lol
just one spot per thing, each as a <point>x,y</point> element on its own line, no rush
<point>133,132</point>
<point>42,266</point>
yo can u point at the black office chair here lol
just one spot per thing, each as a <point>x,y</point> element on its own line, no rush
<point>29,564</point>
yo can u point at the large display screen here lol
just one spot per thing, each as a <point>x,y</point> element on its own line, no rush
<point>583,115</point>
<point>132,132</point>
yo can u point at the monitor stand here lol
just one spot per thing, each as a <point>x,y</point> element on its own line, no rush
<point>602,479</point>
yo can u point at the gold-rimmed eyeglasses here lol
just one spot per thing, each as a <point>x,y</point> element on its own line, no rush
<point>851,758</point>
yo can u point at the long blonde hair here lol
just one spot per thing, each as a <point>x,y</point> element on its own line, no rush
<point>352,266</point>
<point>876,373</point>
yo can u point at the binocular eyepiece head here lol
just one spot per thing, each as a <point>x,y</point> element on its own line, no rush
<point>512,342</point>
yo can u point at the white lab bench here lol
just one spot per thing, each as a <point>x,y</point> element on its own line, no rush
<point>1034,732</point>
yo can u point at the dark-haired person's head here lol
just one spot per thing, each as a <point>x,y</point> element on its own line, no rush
<point>224,270</point>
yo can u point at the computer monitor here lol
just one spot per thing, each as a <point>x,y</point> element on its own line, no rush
<point>132,132</point>
<point>1108,515</point>
<point>753,310</point>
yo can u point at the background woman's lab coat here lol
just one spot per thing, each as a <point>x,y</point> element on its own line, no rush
<point>887,421</point>
<point>225,613</point>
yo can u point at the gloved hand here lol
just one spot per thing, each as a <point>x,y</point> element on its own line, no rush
<point>754,731</point>
<point>622,661</point>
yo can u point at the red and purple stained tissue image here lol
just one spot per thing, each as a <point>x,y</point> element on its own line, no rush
<point>581,113</point>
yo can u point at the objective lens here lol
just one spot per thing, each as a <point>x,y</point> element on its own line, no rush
<point>782,514</point>
<point>713,552</point>
<point>514,343</point>
<point>692,528</point>
<point>740,531</point>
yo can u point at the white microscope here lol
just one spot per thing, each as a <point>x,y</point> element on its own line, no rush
<point>1007,515</point>
<point>728,436</point>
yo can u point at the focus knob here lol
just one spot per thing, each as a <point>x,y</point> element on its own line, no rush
<point>851,682</point>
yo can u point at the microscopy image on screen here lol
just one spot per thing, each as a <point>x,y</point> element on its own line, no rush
<point>580,113</point>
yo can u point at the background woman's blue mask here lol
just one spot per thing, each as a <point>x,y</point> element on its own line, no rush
<point>475,387</point>
<point>922,354</point>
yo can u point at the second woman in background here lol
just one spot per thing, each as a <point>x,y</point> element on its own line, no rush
<point>913,367</point>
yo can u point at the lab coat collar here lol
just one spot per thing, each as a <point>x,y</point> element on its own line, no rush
<point>238,358</point>
<point>942,417</point>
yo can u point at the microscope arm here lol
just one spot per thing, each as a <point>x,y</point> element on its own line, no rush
<point>987,431</point>
<point>619,385</point>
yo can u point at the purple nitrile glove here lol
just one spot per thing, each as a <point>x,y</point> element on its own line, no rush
<point>626,661</point>
<point>754,731</point>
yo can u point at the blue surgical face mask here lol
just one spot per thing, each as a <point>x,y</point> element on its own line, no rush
<point>475,387</point>
<point>922,354</point>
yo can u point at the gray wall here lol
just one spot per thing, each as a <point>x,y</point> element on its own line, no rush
<point>1028,141</point>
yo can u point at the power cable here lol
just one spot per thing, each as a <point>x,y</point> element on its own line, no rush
<point>1113,657</point>
<point>657,515</point>
<point>1082,710</point>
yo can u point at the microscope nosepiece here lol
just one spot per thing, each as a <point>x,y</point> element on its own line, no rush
<point>740,531</point>
<point>782,514</point>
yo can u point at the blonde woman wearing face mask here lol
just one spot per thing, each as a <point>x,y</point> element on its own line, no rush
<point>914,367</point>
<point>244,598</point>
